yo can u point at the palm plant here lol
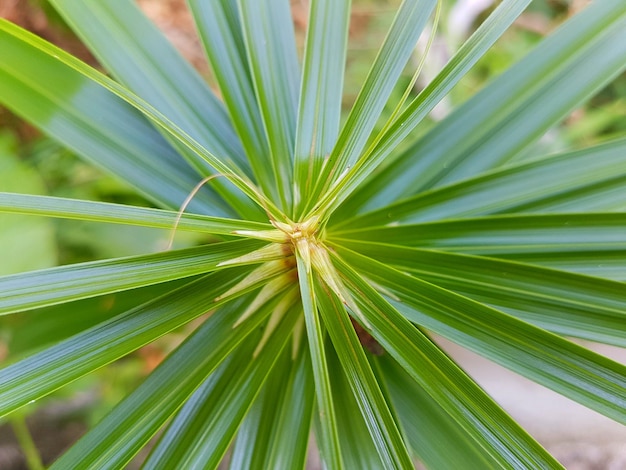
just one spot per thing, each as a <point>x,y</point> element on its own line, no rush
<point>333,256</point>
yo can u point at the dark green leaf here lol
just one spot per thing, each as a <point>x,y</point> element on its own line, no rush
<point>371,403</point>
<point>564,303</point>
<point>441,378</point>
<point>571,370</point>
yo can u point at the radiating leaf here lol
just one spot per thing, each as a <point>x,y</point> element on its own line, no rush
<point>564,303</point>
<point>464,59</point>
<point>434,435</point>
<point>40,328</point>
<point>268,32</point>
<point>52,368</point>
<point>141,58</point>
<point>200,434</point>
<point>320,93</point>
<point>507,235</point>
<point>359,375</point>
<point>69,68</point>
<point>94,123</point>
<point>122,214</point>
<point>251,446</point>
<point>328,439</point>
<point>567,368</point>
<point>52,286</point>
<point>588,180</point>
<point>515,109</point>
<point>129,426</point>
<point>443,380</point>
<point>220,31</point>
<point>290,435</point>
<point>357,448</point>
<point>392,57</point>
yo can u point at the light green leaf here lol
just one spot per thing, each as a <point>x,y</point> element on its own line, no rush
<point>441,378</point>
<point>515,109</point>
<point>93,122</point>
<point>122,214</point>
<point>42,373</point>
<point>435,437</point>
<point>571,370</point>
<point>142,59</point>
<point>588,180</point>
<point>464,59</point>
<point>290,434</point>
<point>392,57</point>
<point>320,94</point>
<point>220,31</point>
<point>269,37</point>
<point>52,286</point>
<point>68,67</point>
<point>129,426</point>
<point>564,303</point>
<point>200,434</point>
<point>357,448</point>
<point>371,403</point>
<point>328,438</point>
<point>507,235</point>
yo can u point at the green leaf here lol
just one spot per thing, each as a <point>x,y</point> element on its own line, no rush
<point>328,438</point>
<point>93,122</point>
<point>606,264</point>
<point>44,372</point>
<point>220,31</point>
<point>122,214</point>
<point>52,286</point>
<point>362,381</point>
<point>440,377</point>
<point>320,95</point>
<point>269,37</point>
<point>142,59</point>
<point>464,59</point>
<point>392,57</point>
<point>200,434</point>
<point>571,370</point>
<point>435,437</point>
<point>589,180</point>
<point>129,426</point>
<point>506,235</point>
<point>251,446</point>
<point>357,448</point>
<point>39,328</point>
<point>515,109</point>
<point>564,303</point>
<point>290,434</point>
<point>67,67</point>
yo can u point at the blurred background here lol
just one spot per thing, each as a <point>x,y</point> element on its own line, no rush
<point>33,163</point>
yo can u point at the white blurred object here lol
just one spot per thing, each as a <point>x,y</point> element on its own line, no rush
<point>462,17</point>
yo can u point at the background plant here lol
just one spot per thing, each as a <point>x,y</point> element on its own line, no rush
<point>447,236</point>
